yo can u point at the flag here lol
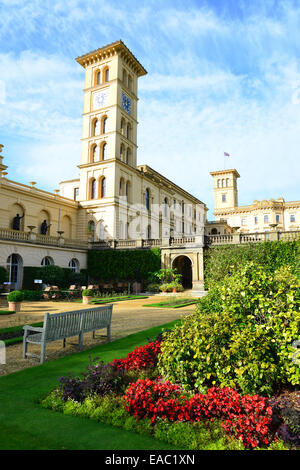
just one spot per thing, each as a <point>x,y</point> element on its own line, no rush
<point>226,154</point>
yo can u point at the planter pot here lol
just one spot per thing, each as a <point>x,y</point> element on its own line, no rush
<point>14,306</point>
<point>86,299</point>
<point>174,290</point>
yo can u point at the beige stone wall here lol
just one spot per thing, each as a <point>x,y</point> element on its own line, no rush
<point>257,217</point>
<point>38,206</point>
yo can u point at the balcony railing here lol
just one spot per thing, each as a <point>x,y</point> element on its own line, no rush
<point>38,239</point>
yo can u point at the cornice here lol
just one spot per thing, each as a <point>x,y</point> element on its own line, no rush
<point>110,50</point>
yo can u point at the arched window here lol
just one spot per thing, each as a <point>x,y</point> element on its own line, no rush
<point>121,187</point>
<point>130,82</point>
<point>95,153</point>
<point>103,187</point>
<point>165,207</point>
<point>148,232</point>
<point>128,155</point>
<point>121,235</point>
<point>93,189</point>
<point>123,126</point>
<point>98,78</point>
<point>223,183</point>
<point>74,265</point>
<point>128,131</point>
<point>47,261</point>
<point>127,190</point>
<point>227,182</point>
<point>219,183</point>
<point>147,199</point>
<point>101,230</point>
<point>15,268</point>
<point>122,152</point>
<point>124,77</point>
<point>91,229</point>
<point>106,75</point>
<point>96,127</point>
<point>104,125</point>
<point>104,151</point>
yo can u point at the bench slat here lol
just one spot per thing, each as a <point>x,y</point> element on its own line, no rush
<point>67,324</point>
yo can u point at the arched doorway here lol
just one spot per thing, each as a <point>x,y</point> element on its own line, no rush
<point>15,271</point>
<point>183,265</point>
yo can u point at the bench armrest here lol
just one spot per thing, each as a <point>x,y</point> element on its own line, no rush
<point>33,328</point>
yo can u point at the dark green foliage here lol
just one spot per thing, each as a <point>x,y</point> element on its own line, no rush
<point>3,275</point>
<point>241,335</point>
<point>15,296</point>
<point>32,294</point>
<point>219,261</point>
<point>123,265</point>
<point>65,276</point>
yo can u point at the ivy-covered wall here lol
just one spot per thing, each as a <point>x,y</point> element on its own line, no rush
<point>123,265</point>
<point>221,260</point>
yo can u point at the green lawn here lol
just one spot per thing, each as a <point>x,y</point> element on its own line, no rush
<point>172,303</point>
<point>25,425</point>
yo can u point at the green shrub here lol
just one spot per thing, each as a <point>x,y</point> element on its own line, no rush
<point>52,275</point>
<point>123,265</point>
<point>32,294</point>
<point>240,336</point>
<point>221,260</point>
<point>15,296</point>
<point>88,292</point>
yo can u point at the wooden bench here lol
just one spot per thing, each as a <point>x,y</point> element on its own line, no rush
<point>65,325</point>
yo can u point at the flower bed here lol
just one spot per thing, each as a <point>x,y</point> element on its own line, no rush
<point>127,392</point>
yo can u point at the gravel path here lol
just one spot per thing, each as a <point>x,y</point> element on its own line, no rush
<point>128,317</point>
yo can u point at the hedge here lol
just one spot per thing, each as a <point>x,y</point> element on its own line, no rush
<point>123,265</point>
<point>66,277</point>
<point>222,260</point>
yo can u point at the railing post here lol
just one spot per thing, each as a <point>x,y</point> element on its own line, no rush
<point>236,238</point>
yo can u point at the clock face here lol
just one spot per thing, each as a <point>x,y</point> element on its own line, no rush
<point>126,103</point>
<point>100,99</point>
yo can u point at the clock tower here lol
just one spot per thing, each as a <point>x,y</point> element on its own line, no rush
<point>109,135</point>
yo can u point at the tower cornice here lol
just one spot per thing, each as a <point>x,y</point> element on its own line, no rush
<point>110,50</point>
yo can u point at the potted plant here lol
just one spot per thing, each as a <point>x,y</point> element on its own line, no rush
<point>14,300</point>
<point>87,295</point>
<point>176,286</point>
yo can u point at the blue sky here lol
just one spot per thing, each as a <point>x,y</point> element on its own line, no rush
<point>222,76</point>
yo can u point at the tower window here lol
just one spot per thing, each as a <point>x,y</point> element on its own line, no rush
<point>127,155</point>
<point>93,189</point>
<point>76,194</point>
<point>104,125</point>
<point>106,75</point>
<point>96,127</point>
<point>256,220</point>
<point>292,218</point>
<point>227,182</point>
<point>266,219</point>
<point>104,151</point>
<point>103,187</point>
<point>95,153</point>
<point>219,183</point>
<point>98,77</point>
<point>223,197</point>
<point>277,218</point>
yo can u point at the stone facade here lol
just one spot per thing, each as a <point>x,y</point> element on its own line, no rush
<point>261,216</point>
<point>113,199</point>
